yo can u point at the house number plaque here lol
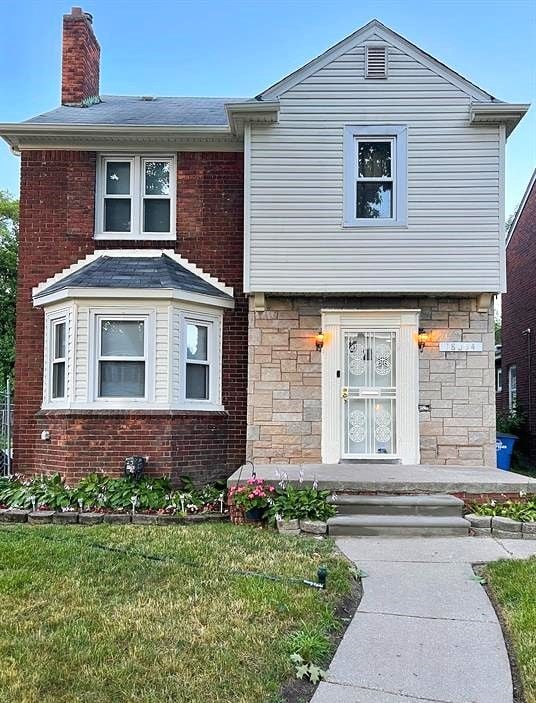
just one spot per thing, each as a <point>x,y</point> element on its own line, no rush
<point>460,346</point>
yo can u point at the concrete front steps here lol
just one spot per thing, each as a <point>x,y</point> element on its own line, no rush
<point>405,516</point>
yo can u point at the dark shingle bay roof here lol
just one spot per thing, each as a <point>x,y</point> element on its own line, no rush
<point>137,111</point>
<point>136,272</point>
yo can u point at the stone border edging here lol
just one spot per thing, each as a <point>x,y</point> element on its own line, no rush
<point>71,517</point>
<point>500,527</point>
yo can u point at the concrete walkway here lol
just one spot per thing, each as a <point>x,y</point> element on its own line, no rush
<point>425,631</point>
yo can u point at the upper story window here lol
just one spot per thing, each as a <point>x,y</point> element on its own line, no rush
<point>498,380</point>
<point>375,176</point>
<point>135,198</point>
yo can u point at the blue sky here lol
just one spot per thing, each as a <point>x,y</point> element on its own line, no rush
<point>239,47</point>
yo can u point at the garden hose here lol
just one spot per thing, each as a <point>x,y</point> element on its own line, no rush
<point>319,585</point>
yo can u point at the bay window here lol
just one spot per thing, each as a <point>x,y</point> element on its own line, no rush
<point>135,197</point>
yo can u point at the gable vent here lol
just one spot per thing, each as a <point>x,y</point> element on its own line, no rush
<point>376,62</point>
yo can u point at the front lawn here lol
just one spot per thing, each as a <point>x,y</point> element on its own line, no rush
<point>513,584</point>
<point>79,623</point>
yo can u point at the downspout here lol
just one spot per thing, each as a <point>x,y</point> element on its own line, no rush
<point>528,334</point>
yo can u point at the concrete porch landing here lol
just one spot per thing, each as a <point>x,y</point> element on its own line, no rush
<point>395,478</point>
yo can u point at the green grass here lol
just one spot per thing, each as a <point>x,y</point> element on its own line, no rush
<point>514,585</point>
<point>83,624</point>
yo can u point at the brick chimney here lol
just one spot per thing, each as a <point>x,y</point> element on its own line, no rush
<point>80,60</point>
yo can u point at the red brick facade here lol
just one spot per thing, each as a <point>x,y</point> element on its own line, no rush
<point>80,59</point>
<point>57,225</point>
<point>519,314</point>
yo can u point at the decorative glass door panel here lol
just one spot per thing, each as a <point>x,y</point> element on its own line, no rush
<point>369,394</point>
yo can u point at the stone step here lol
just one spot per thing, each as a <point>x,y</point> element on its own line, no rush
<point>423,505</point>
<point>401,525</point>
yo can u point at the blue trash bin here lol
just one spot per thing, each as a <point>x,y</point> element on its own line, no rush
<point>505,446</point>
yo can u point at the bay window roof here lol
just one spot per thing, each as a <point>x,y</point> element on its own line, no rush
<point>152,274</point>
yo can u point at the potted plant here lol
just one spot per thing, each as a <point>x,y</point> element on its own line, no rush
<point>250,500</point>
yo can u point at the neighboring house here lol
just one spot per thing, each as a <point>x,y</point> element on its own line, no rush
<point>519,315</point>
<point>356,207</point>
<point>498,375</point>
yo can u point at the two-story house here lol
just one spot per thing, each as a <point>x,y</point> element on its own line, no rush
<point>518,365</point>
<point>355,207</point>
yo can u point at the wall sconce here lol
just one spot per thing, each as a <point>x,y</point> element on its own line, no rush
<point>319,341</point>
<point>422,338</point>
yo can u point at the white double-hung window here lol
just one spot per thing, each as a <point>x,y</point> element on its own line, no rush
<point>58,359</point>
<point>121,359</point>
<point>375,176</point>
<point>200,354</point>
<point>135,197</point>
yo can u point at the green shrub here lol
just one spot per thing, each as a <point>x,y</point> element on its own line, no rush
<point>292,503</point>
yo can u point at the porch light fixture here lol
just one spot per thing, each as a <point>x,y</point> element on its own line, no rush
<point>319,341</point>
<point>422,338</point>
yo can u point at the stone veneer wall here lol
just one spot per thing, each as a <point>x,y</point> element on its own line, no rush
<point>284,386</point>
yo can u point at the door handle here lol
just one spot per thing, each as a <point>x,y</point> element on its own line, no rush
<point>344,392</point>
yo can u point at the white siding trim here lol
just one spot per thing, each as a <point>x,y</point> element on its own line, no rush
<point>502,223</point>
<point>247,210</point>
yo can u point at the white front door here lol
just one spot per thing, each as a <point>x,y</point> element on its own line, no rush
<point>370,385</point>
<point>369,393</point>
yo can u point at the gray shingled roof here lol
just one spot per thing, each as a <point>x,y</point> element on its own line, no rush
<point>136,272</point>
<point>133,110</point>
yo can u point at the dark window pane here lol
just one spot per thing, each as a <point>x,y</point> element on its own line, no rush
<point>121,379</point>
<point>156,178</point>
<point>374,200</point>
<point>117,178</point>
<point>122,338</point>
<point>197,381</point>
<point>117,215</point>
<point>58,380</point>
<point>156,216</point>
<point>59,340</point>
<point>374,159</point>
<point>196,342</point>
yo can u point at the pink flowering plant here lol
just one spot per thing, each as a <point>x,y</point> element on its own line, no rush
<point>255,493</point>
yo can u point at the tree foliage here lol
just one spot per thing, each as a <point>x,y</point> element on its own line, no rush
<point>9,230</point>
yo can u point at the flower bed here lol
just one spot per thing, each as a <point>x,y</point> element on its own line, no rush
<point>144,500</point>
<point>508,520</point>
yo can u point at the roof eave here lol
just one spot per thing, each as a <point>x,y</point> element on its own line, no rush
<point>259,112</point>
<point>75,292</point>
<point>509,114</point>
<point>20,136</point>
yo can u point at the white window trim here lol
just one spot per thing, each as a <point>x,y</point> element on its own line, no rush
<point>53,319</point>
<point>149,341</point>
<point>512,388</point>
<point>214,345</point>
<point>137,196</point>
<point>499,380</point>
<point>398,135</point>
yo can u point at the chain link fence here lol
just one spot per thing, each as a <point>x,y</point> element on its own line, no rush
<point>6,427</point>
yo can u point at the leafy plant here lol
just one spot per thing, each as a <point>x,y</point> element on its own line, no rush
<point>307,669</point>
<point>510,422</point>
<point>524,511</point>
<point>293,503</point>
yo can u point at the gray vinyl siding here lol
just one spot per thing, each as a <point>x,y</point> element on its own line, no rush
<point>297,242</point>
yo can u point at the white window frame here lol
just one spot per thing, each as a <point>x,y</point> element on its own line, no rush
<point>397,135</point>
<point>512,387</point>
<point>498,382</point>
<point>214,357</point>
<point>95,357</point>
<point>52,321</point>
<point>137,197</point>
